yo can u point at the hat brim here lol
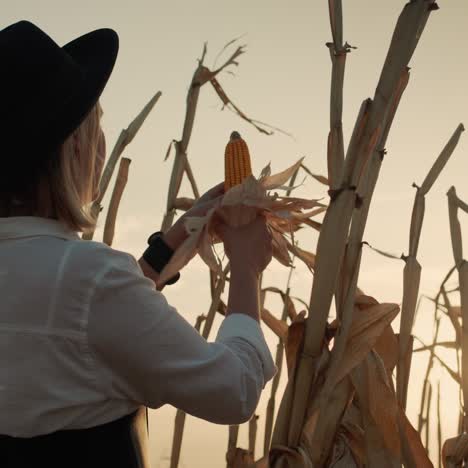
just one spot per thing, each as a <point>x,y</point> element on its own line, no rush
<point>95,53</point>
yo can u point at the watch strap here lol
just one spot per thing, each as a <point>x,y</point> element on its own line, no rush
<point>158,254</point>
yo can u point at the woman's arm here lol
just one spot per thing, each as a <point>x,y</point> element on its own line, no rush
<point>145,351</point>
<point>248,248</point>
<point>243,292</point>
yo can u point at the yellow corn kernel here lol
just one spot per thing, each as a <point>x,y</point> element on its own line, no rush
<point>236,161</point>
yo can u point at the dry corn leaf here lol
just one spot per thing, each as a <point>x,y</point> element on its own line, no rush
<point>382,252</point>
<point>367,326</point>
<point>277,326</point>
<point>307,257</point>
<point>280,249</point>
<point>354,437</point>
<point>363,301</point>
<point>442,160</point>
<point>379,410</point>
<point>294,340</point>
<point>271,182</point>
<point>290,307</point>
<point>387,348</point>
<point>412,442</point>
<point>318,177</point>
<point>231,106</point>
<point>249,190</point>
<point>206,253</point>
<point>313,224</point>
<point>341,455</point>
<point>287,301</point>
<point>325,417</point>
<point>285,457</point>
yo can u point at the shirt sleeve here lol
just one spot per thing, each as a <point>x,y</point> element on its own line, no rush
<point>149,353</point>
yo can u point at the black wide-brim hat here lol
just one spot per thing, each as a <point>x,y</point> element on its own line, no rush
<point>46,92</point>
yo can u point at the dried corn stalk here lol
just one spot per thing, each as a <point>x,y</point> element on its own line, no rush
<point>232,445</point>
<point>412,271</point>
<point>432,356</point>
<point>119,187</point>
<point>179,422</point>
<point>462,266</point>
<point>338,53</point>
<point>125,138</point>
<point>275,383</point>
<point>253,424</point>
<point>371,128</point>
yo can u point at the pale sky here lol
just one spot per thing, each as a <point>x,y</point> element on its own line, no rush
<point>282,79</point>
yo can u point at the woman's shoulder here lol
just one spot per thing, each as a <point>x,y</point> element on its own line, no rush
<point>98,257</point>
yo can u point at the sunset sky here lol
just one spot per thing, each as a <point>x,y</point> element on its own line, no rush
<point>282,79</point>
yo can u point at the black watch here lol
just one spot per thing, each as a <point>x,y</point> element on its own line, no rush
<point>158,255</point>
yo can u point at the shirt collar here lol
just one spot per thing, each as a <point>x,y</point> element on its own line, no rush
<point>15,227</point>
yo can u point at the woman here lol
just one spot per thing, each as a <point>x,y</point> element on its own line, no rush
<point>86,341</point>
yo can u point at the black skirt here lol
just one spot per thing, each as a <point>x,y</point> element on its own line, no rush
<point>122,443</point>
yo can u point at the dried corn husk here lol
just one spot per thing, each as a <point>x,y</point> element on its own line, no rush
<point>280,214</point>
<point>455,451</point>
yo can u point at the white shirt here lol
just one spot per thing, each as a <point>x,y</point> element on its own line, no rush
<point>85,338</point>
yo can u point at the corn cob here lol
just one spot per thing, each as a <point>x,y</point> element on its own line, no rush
<point>236,161</point>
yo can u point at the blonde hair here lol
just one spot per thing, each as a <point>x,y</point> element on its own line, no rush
<point>64,188</point>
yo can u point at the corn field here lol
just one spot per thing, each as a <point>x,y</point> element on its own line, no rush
<point>348,368</point>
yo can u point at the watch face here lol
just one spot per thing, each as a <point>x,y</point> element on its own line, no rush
<point>153,236</point>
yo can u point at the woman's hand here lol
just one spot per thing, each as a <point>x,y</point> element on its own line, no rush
<point>248,247</point>
<point>176,235</point>
<point>249,250</point>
